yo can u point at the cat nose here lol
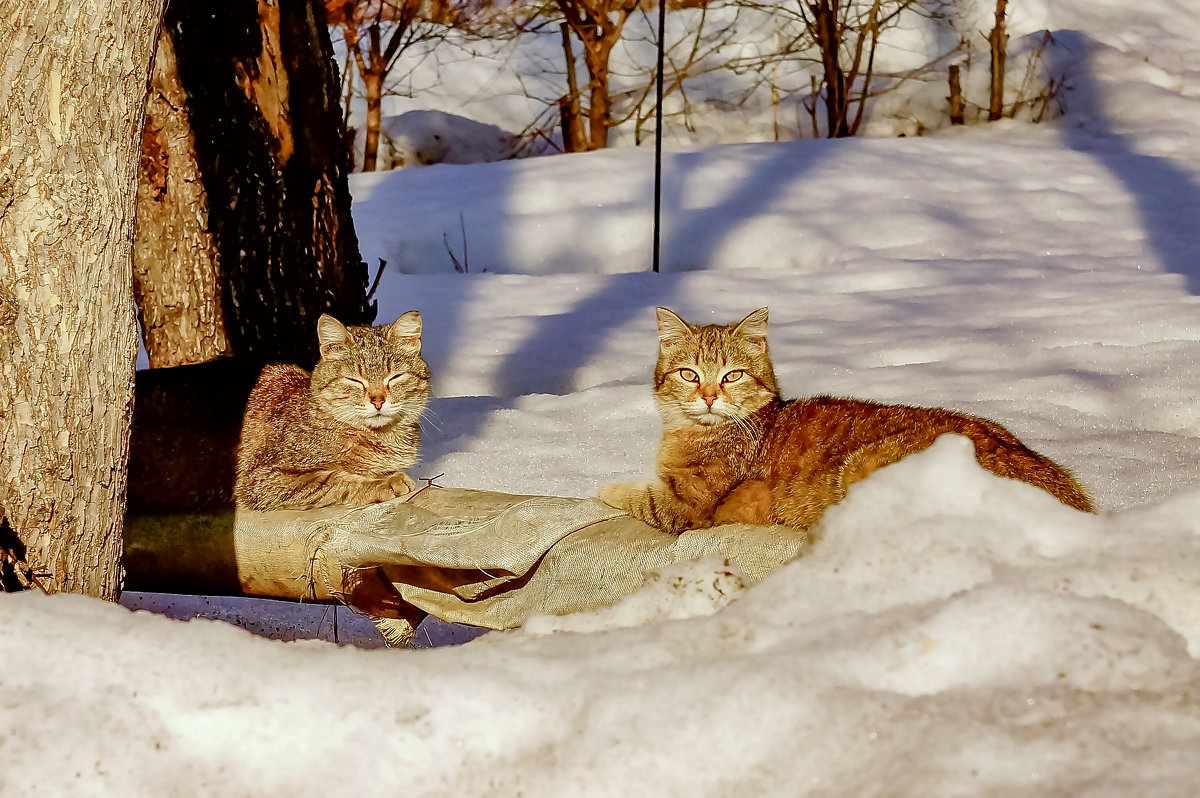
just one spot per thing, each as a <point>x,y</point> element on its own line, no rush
<point>708,400</point>
<point>378,401</point>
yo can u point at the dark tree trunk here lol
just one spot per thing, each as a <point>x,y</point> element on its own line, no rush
<point>568,105</point>
<point>998,44</point>
<point>244,232</point>
<point>829,42</point>
<point>956,99</point>
<point>244,192</point>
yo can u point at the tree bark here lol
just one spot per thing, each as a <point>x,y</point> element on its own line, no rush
<point>598,25</point>
<point>599,103</point>
<point>829,34</point>
<point>568,105</point>
<point>176,277</point>
<point>74,92</point>
<point>373,83</point>
<point>956,99</point>
<point>245,235</point>
<point>998,45</point>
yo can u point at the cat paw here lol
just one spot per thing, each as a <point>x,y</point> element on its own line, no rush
<point>402,484</point>
<point>624,495</point>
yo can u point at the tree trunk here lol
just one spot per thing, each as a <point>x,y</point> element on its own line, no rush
<point>245,235</point>
<point>244,232</point>
<point>829,42</point>
<point>568,105</point>
<point>956,99</point>
<point>998,44</point>
<point>599,105</point>
<point>176,277</point>
<point>373,83</point>
<point>74,91</point>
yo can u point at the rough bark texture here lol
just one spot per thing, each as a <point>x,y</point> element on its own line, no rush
<point>176,281</point>
<point>599,103</point>
<point>243,187</point>
<point>244,233</point>
<point>73,90</point>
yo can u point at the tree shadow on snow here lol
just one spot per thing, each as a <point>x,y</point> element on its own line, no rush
<point>690,238</point>
<point>688,241</point>
<point>1168,200</point>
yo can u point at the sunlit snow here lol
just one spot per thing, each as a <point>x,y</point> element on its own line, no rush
<point>948,633</point>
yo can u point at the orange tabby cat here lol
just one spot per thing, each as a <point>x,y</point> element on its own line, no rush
<point>733,451</point>
<point>343,434</point>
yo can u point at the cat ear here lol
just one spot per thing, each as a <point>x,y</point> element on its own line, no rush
<point>406,330</point>
<point>753,326</point>
<point>332,335</point>
<point>671,328</point>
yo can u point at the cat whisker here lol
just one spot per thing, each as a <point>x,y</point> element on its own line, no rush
<point>429,416</point>
<point>742,423</point>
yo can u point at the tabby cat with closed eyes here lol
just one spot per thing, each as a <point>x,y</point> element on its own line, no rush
<point>733,451</point>
<point>343,434</point>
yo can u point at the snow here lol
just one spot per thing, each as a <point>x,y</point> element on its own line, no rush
<point>420,138</point>
<point>949,632</point>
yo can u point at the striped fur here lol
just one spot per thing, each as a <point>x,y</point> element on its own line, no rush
<point>343,434</point>
<point>733,451</point>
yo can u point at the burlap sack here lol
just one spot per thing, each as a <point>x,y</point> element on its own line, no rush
<point>473,557</point>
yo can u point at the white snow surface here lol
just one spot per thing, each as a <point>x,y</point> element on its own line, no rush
<point>421,138</point>
<point>948,633</point>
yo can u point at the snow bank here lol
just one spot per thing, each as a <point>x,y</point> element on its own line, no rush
<point>952,632</point>
<point>421,138</point>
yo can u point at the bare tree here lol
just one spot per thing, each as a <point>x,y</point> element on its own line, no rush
<point>823,48</point>
<point>998,48</point>
<point>76,76</point>
<point>714,36</point>
<point>846,35</point>
<point>378,32</point>
<point>598,25</point>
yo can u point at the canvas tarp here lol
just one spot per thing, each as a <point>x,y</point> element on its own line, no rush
<point>474,557</point>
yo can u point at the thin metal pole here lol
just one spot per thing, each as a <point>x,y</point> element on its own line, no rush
<point>658,128</point>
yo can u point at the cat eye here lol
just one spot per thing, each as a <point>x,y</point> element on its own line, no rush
<point>687,375</point>
<point>732,376</point>
<point>355,381</point>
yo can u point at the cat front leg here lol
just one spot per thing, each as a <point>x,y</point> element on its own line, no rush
<point>307,490</point>
<point>653,503</point>
<point>402,484</point>
<point>382,489</point>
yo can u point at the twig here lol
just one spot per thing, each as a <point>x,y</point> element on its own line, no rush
<point>375,284</point>
<point>463,266</point>
<point>428,484</point>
